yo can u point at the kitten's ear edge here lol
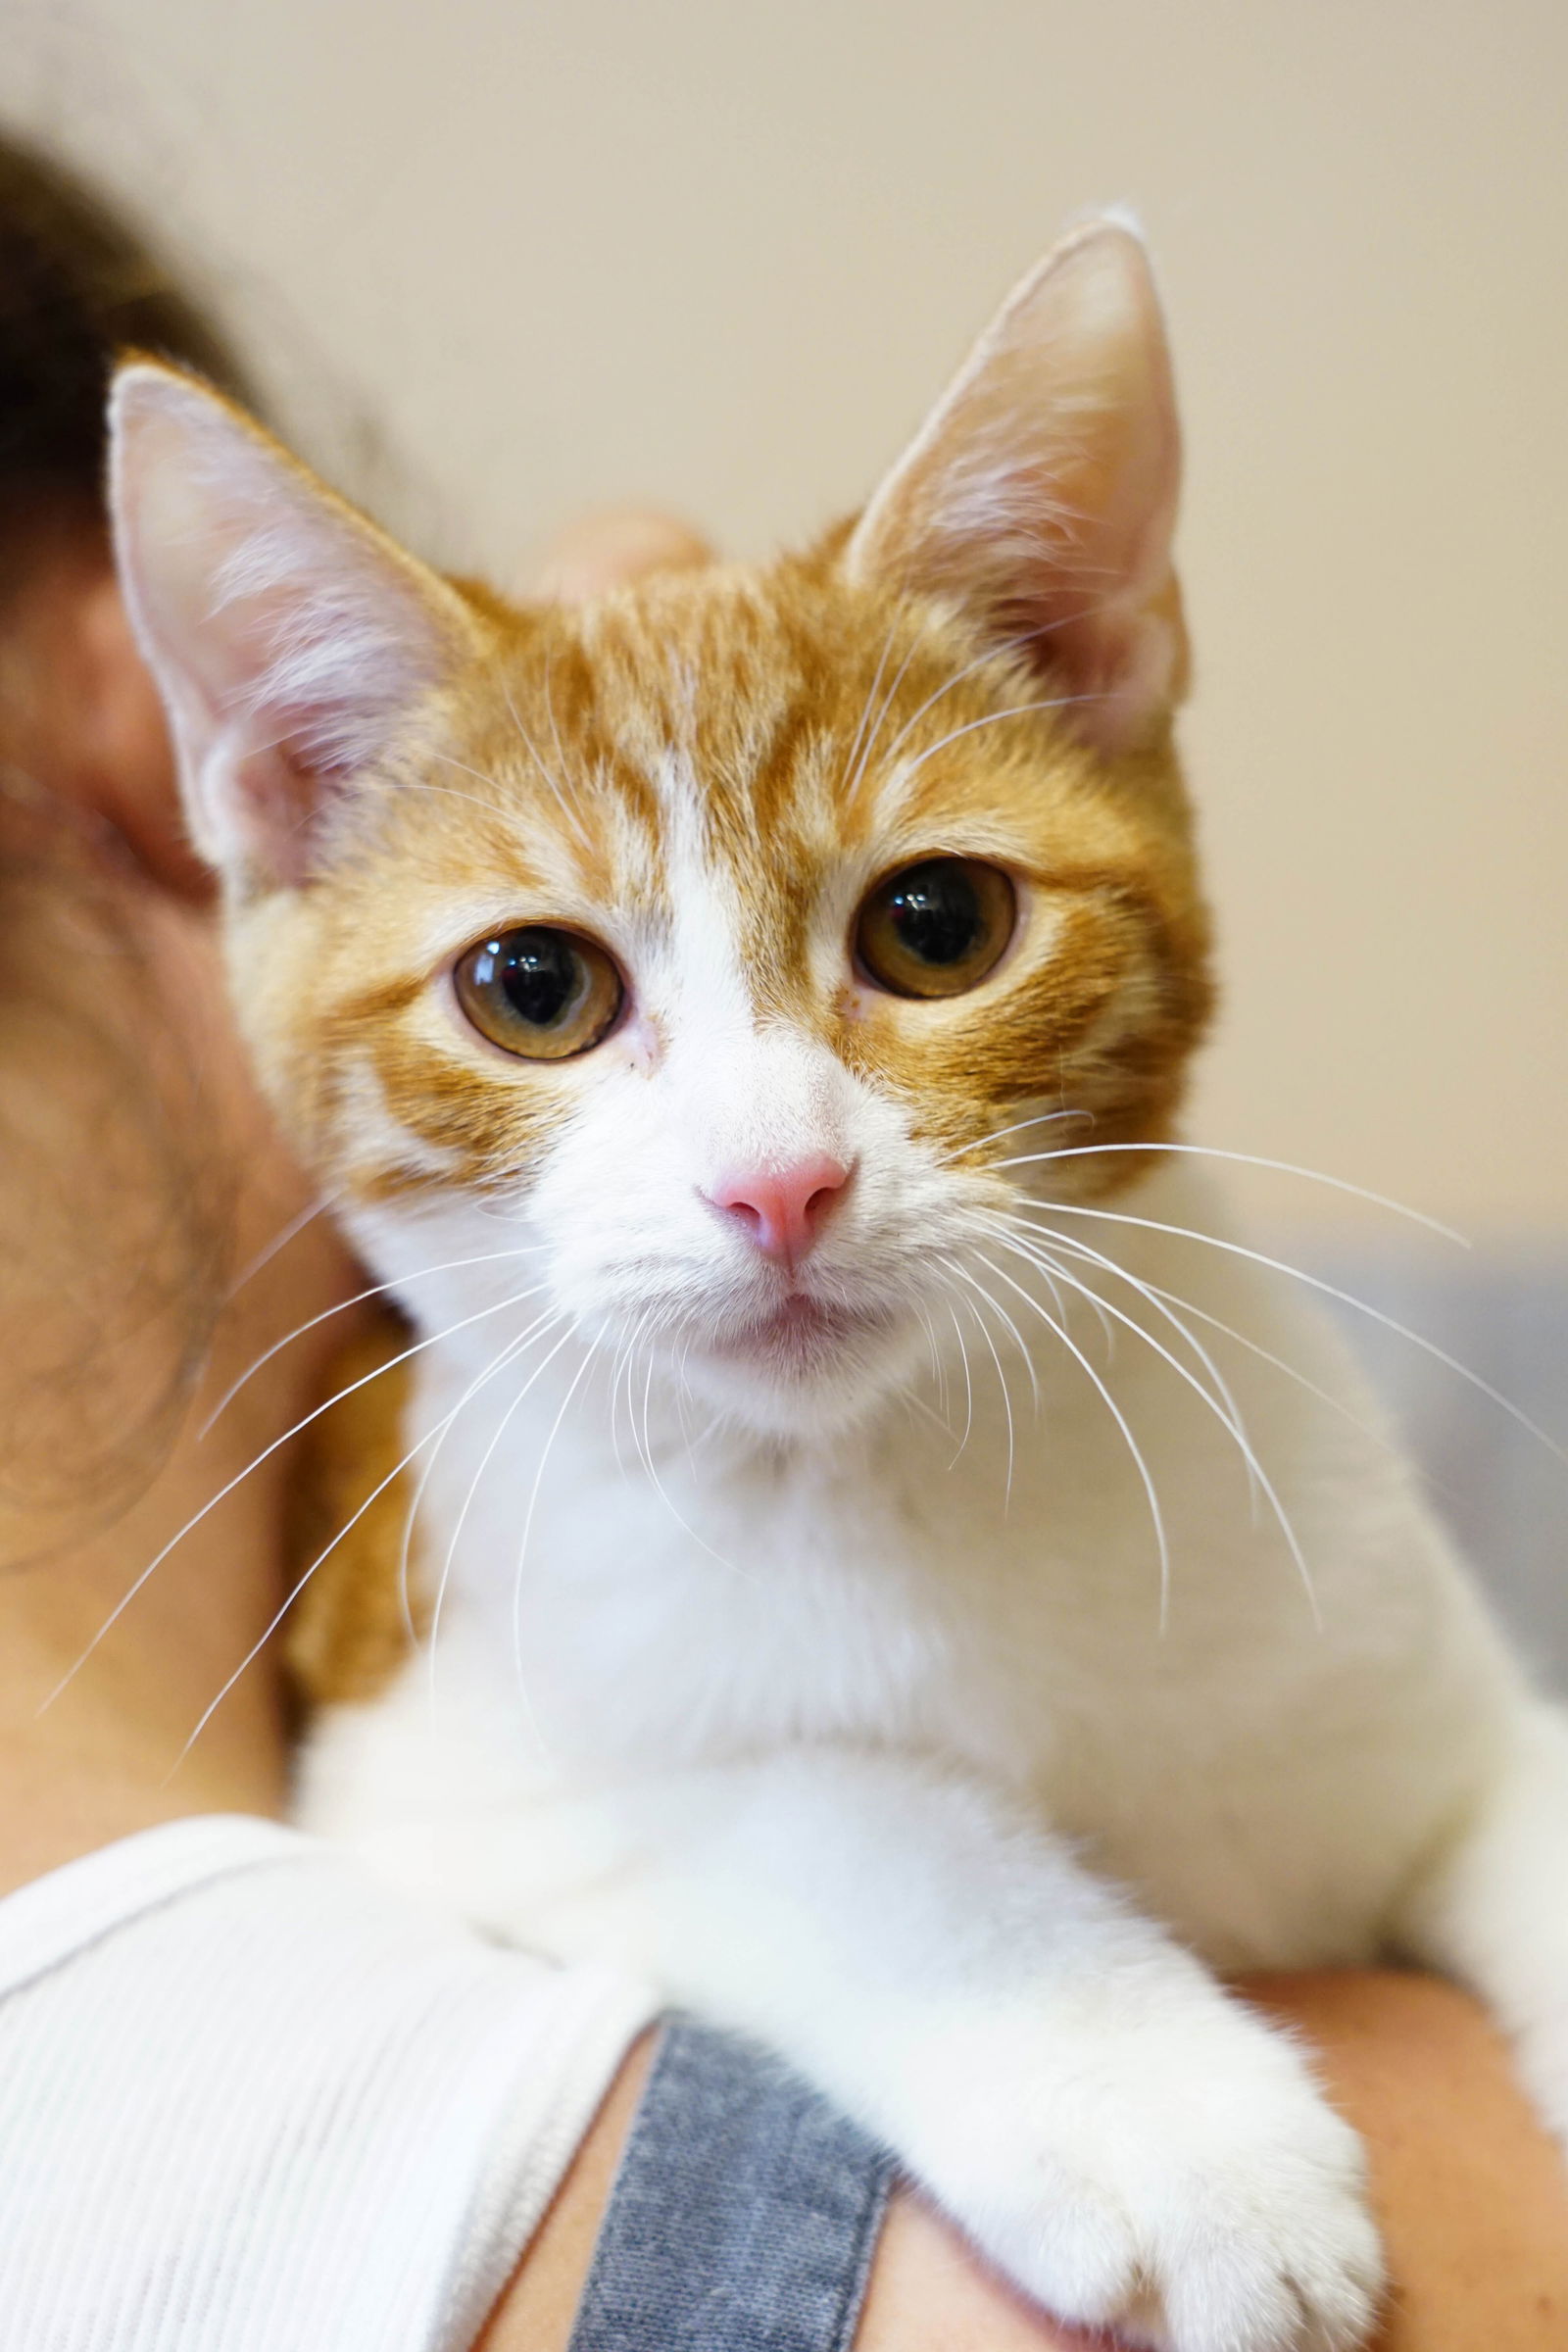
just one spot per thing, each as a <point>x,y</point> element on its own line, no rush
<point>1039,495</point>
<point>287,634</point>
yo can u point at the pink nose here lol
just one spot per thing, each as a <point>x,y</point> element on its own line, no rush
<point>784,1211</point>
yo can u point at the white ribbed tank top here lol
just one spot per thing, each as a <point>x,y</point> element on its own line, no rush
<point>253,2101</point>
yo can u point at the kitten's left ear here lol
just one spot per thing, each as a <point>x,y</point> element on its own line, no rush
<point>290,639</point>
<point>1040,493</point>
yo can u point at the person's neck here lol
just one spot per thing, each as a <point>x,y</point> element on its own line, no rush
<point>96,1724</point>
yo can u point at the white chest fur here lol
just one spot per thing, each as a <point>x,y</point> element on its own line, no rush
<point>1264,1762</point>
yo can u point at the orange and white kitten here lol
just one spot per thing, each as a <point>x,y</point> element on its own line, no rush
<point>743,1019</point>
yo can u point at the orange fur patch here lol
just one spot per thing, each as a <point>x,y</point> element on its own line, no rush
<point>826,734</point>
<point>349,1628</point>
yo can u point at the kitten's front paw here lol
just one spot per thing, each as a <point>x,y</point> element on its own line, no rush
<point>1192,2190</point>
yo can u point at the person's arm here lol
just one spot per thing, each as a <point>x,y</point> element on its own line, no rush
<point>1472,2195</point>
<point>1471,2191</point>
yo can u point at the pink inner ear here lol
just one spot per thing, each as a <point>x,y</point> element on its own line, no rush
<point>278,811</point>
<point>1041,494</point>
<point>288,637</point>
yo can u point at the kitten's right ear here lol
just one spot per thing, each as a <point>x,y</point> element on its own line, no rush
<point>288,636</point>
<point>1039,497</point>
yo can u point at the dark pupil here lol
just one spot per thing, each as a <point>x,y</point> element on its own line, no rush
<point>936,912</point>
<point>539,974</point>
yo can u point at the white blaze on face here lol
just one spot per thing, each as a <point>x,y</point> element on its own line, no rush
<point>714,1094</point>
<point>741,1095</point>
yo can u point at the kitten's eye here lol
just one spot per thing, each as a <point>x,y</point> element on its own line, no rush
<point>539,992</point>
<point>937,928</point>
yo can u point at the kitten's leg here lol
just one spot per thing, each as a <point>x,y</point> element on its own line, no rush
<point>1129,2142</point>
<point>1493,1912</point>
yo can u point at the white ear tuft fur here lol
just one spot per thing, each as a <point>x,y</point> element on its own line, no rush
<point>1040,493</point>
<point>287,635</point>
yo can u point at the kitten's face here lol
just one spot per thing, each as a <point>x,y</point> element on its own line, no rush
<point>710,781</point>
<point>721,939</point>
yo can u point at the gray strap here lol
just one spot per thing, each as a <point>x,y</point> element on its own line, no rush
<point>744,2215</point>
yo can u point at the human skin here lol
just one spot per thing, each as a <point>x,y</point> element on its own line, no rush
<point>1472,2194</point>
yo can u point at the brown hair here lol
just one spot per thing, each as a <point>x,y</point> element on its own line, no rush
<point>78,281</point>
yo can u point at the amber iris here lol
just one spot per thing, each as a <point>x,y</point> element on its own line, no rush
<point>937,928</point>
<point>539,992</point>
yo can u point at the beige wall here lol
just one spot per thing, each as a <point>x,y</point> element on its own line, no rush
<point>720,253</point>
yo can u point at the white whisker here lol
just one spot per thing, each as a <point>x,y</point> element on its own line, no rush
<point>853,789</point>
<point>565,805</point>
<point>450,792</point>
<point>300,1583</point>
<point>1327,1290</point>
<point>1044,1119</point>
<point>279,1241</point>
<point>1162,1305</point>
<point>210,1504</point>
<point>1248,1159</point>
<point>1236,1429</point>
<point>622,1366</point>
<point>507,1355</point>
<point>1019,1342</point>
<point>965,1275</point>
<point>590,1357</point>
<point>994,718</point>
<point>680,1520</point>
<point>550,710</point>
<point>845,787</point>
<point>991,653</point>
<point>540,1368</point>
<point>684,1397</point>
<point>375,1289</point>
<point>1254,1347</point>
<point>939,1369</point>
<point>1120,1418</point>
<point>537,1329</point>
<point>968,1383</point>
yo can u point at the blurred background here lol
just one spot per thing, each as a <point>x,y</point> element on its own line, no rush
<point>499,264</point>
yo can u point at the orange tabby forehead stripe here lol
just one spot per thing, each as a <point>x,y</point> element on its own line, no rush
<point>706,774</point>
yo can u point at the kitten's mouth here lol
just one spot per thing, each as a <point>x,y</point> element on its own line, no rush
<point>799,1335</point>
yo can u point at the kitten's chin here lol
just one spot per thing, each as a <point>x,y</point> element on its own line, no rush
<point>805,1370</point>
